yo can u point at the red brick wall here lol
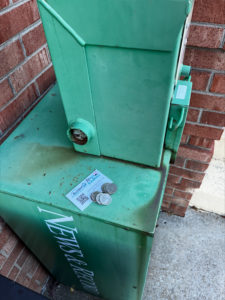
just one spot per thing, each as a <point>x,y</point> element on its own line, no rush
<point>17,262</point>
<point>25,66</point>
<point>206,118</point>
<point>25,74</point>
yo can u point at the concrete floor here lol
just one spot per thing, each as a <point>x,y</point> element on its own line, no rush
<point>187,263</point>
<point>211,195</point>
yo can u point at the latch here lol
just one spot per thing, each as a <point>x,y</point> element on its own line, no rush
<point>178,112</point>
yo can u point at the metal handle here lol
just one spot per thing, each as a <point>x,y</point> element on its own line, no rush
<point>179,122</point>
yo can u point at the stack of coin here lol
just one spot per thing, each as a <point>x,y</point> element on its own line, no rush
<point>104,198</point>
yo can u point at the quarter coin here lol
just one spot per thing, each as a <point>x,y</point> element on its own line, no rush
<point>93,196</point>
<point>103,199</point>
<point>109,188</point>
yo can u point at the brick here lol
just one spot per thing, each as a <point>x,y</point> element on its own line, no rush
<point>3,259</point>
<point>205,36</point>
<point>34,39</point>
<point>167,198</point>
<point>201,142</point>
<point>209,11</point>
<point>203,131</point>
<point>186,173</point>
<point>4,235</point>
<point>46,79</point>
<point>39,279</point>
<point>18,18</point>
<point>208,102</point>
<point>23,256</point>
<point>168,191</point>
<point>27,271</point>
<point>25,73</point>
<point>9,245</point>
<point>197,166</point>
<point>173,179</point>
<point>177,210</point>
<point>194,153</point>
<point>5,92</point>
<point>218,84</point>
<point>213,118</point>
<point>165,205</point>
<point>4,3</point>
<point>200,80</point>
<point>184,139</point>
<point>182,194</point>
<point>12,258</point>
<point>41,274</point>
<point>204,58</point>
<point>13,273</point>
<point>193,115</point>
<point>16,108</point>
<point>180,202</point>
<point>179,161</point>
<point>10,57</point>
<point>187,184</point>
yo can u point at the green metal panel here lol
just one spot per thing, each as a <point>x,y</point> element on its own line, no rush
<point>103,250</point>
<point>115,62</point>
<point>73,76</point>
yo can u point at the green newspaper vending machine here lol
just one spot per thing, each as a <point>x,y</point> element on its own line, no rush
<point>83,176</point>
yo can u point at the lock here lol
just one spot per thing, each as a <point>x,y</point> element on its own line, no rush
<point>80,132</point>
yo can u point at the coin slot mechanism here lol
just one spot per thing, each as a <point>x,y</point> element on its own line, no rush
<point>78,136</point>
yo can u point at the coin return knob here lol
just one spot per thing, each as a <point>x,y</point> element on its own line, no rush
<point>80,132</point>
<point>78,136</point>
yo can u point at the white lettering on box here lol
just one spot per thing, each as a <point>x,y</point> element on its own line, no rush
<point>67,242</point>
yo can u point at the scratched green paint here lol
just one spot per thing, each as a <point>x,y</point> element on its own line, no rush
<point>115,62</point>
<point>39,166</point>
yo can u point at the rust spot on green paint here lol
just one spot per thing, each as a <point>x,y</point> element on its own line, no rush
<point>38,157</point>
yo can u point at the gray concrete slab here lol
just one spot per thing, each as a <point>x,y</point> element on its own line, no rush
<point>187,262</point>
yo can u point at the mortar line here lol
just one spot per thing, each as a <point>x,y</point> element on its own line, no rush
<point>222,40</point>
<point>199,116</point>
<point>22,32</point>
<point>11,85</point>
<point>208,70</point>
<point>208,93</point>
<point>205,125</point>
<point>25,87</point>
<point>214,25</point>
<point>22,62</point>
<point>12,6</point>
